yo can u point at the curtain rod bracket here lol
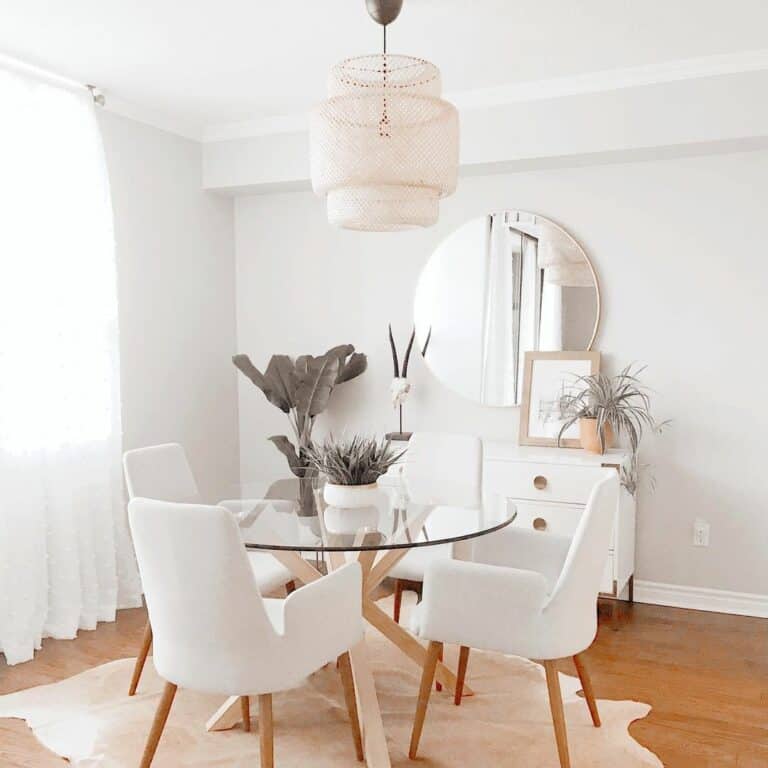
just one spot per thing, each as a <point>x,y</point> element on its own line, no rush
<point>97,96</point>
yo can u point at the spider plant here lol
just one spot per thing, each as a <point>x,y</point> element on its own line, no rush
<point>358,460</point>
<point>622,401</point>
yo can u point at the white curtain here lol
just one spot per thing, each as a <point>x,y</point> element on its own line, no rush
<point>65,557</point>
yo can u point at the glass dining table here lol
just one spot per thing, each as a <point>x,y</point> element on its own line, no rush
<point>292,522</point>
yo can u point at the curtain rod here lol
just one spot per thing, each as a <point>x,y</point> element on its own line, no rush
<point>11,62</point>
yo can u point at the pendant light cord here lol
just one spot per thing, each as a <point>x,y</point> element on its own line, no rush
<point>384,126</point>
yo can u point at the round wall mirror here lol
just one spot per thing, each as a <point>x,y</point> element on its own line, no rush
<point>498,287</point>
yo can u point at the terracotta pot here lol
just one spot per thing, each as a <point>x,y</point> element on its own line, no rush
<point>590,440</point>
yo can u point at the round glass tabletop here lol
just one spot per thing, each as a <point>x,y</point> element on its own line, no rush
<point>294,516</point>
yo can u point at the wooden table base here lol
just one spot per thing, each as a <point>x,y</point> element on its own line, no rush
<point>371,725</point>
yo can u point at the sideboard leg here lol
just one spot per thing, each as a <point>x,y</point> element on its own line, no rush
<point>631,588</point>
<point>615,615</point>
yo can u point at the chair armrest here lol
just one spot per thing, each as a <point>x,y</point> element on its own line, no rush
<point>325,616</point>
<point>527,550</point>
<point>482,606</point>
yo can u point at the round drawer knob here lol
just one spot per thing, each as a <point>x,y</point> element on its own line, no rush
<point>540,524</point>
<point>540,482</point>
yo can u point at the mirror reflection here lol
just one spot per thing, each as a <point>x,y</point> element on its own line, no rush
<point>499,286</point>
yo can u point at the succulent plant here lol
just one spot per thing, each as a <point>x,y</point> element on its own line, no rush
<point>359,460</point>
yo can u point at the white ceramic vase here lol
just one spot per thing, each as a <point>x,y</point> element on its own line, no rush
<point>350,496</point>
<point>351,521</point>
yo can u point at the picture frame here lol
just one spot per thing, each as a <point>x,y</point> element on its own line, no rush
<point>546,375</point>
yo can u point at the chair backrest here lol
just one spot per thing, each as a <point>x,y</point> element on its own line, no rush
<point>160,472</point>
<point>210,628</point>
<point>443,468</point>
<point>572,604</point>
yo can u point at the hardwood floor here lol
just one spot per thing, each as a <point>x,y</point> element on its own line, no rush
<point>705,674</point>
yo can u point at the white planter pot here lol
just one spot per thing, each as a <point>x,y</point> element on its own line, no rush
<point>350,496</point>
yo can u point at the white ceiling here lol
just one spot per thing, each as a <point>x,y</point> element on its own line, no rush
<point>211,63</point>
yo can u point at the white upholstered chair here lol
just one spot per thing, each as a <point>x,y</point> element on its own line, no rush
<point>527,593</point>
<point>213,631</point>
<point>440,468</point>
<point>162,472</point>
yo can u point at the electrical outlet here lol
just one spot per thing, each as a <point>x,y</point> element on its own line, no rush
<point>700,533</point>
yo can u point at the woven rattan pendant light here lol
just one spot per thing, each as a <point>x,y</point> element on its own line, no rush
<point>384,145</point>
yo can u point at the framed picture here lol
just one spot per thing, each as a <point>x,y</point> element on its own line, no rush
<point>547,376</point>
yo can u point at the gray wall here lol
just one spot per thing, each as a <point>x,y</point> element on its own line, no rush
<point>679,249</point>
<point>175,261</point>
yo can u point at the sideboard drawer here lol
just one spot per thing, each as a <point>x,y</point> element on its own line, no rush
<point>548,518</point>
<point>543,482</point>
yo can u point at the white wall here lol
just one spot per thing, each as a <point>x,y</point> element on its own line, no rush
<point>679,247</point>
<point>175,260</point>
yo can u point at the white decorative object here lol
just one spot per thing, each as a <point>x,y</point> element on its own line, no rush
<point>350,496</point>
<point>399,389</point>
<point>550,488</point>
<point>384,145</point>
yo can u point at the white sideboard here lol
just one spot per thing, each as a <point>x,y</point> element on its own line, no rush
<point>550,488</point>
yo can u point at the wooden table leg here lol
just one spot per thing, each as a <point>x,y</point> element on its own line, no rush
<point>227,716</point>
<point>371,724</point>
<point>409,645</point>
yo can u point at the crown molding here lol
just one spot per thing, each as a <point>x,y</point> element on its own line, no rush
<point>152,118</point>
<point>113,104</point>
<point>553,88</point>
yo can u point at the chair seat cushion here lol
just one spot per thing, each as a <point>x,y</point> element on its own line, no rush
<point>270,574</point>
<point>413,565</point>
<point>276,612</point>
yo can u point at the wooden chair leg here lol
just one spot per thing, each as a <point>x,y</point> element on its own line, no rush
<point>586,686</point>
<point>266,733</point>
<point>290,587</point>
<point>558,716</point>
<point>398,600</point>
<point>461,673</point>
<point>245,711</point>
<point>138,667</point>
<point>161,715</point>
<point>434,652</point>
<point>438,685</point>
<point>348,683</point>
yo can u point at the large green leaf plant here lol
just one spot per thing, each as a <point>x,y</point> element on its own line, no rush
<point>302,388</point>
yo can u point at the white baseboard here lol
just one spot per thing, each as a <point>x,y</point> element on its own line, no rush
<point>702,599</point>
